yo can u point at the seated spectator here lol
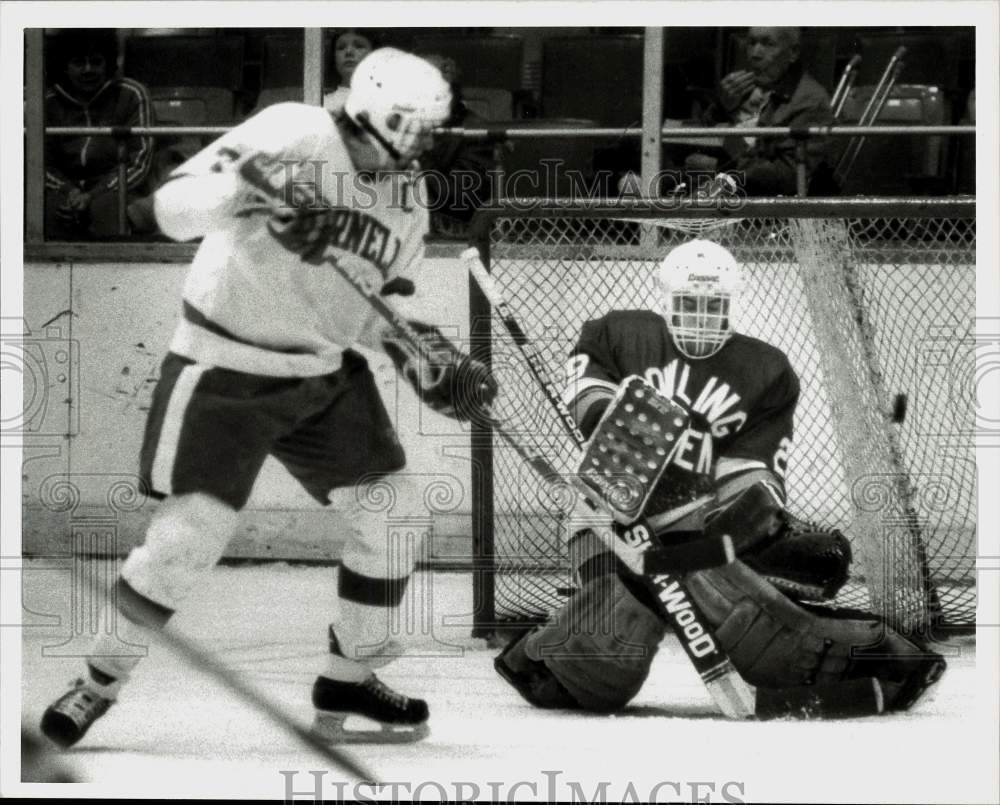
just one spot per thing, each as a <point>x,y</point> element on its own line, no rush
<point>460,182</point>
<point>81,173</point>
<point>775,91</point>
<point>350,46</point>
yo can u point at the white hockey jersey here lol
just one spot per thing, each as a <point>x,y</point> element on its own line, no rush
<point>262,295</point>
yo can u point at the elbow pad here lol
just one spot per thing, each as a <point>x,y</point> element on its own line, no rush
<point>189,207</point>
<point>589,406</point>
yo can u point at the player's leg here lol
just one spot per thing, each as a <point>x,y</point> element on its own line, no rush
<point>202,450</point>
<point>348,455</point>
<point>371,583</point>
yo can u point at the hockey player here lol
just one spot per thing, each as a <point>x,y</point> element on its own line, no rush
<point>741,393</point>
<point>262,363</point>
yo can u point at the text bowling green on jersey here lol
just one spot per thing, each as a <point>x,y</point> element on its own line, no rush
<point>712,401</point>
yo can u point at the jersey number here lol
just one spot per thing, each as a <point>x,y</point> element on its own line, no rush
<point>780,460</point>
<point>575,367</point>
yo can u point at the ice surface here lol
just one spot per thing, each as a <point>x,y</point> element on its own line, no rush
<point>175,732</point>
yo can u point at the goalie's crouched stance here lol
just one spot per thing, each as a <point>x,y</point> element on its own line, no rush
<point>805,659</point>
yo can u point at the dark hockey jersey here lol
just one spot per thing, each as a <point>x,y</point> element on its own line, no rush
<point>742,398</point>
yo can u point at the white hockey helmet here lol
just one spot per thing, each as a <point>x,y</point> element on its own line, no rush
<point>398,98</point>
<point>701,283</point>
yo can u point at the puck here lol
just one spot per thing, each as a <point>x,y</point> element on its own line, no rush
<point>899,408</point>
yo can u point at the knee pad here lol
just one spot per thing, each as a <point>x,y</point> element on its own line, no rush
<point>185,539</point>
<point>384,539</point>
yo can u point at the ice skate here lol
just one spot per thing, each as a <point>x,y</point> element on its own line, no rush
<point>368,711</point>
<point>68,718</point>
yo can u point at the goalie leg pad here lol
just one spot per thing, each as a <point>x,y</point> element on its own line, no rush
<point>532,679</point>
<point>600,645</point>
<point>775,643</point>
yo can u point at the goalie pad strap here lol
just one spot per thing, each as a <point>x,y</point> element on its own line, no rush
<point>692,551</point>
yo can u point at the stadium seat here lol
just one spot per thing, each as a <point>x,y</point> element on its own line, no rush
<point>931,58</point>
<point>281,69</point>
<point>192,79</point>
<point>192,106</point>
<point>895,165</point>
<point>593,77</point>
<point>574,157</point>
<point>488,103</point>
<point>492,61</point>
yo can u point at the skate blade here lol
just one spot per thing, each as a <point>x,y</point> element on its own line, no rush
<point>349,728</point>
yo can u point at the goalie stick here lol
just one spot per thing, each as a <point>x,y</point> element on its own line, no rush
<point>731,693</point>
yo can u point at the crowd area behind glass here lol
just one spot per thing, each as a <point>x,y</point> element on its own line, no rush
<point>542,78</point>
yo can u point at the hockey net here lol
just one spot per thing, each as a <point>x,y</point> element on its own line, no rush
<point>876,314</point>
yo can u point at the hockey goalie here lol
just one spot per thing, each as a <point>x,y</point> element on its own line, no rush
<point>736,397</point>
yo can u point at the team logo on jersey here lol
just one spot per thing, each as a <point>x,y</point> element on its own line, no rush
<point>312,228</point>
<point>319,236</point>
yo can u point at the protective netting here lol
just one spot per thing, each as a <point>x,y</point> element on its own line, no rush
<point>875,315</point>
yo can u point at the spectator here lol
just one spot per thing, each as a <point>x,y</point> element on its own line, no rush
<point>775,91</point>
<point>81,173</point>
<point>461,180</point>
<point>350,46</point>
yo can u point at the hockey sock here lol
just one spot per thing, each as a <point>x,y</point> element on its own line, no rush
<point>116,651</point>
<point>360,638</point>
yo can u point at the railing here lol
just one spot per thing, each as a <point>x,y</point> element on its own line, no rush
<point>801,134</point>
<point>513,132</point>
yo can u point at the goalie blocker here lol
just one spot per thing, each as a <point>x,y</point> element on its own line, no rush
<point>623,462</point>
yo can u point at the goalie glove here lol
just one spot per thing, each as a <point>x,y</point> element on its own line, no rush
<point>448,381</point>
<point>803,560</point>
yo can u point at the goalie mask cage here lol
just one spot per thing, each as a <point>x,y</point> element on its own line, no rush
<point>873,301</point>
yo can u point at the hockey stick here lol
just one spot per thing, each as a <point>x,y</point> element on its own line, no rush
<point>199,659</point>
<point>731,693</point>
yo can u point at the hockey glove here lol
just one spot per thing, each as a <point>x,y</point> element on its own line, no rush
<point>448,381</point>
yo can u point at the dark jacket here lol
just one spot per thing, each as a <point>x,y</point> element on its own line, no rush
<point>91,163</point>
<point>768,166</point>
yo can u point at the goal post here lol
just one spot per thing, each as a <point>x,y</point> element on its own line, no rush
<point>873,301</point>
